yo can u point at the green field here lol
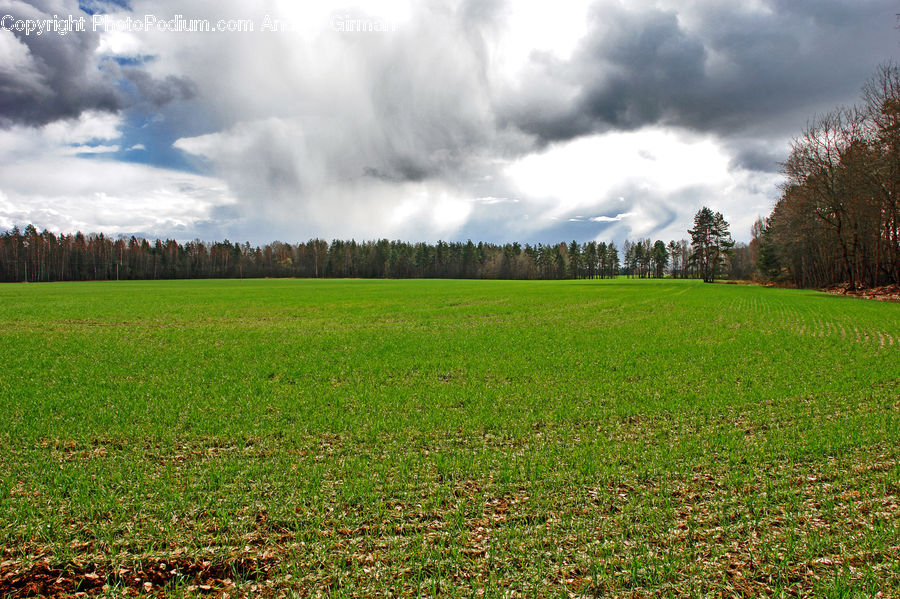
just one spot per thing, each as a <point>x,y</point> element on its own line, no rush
<point>456,438</point>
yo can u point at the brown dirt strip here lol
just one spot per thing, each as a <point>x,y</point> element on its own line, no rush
<point>887,293</point>
<point>70,580</point>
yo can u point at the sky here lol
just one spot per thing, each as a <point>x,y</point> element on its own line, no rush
<point>488,120</point>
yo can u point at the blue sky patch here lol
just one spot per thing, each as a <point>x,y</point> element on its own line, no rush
<point>99,7</point>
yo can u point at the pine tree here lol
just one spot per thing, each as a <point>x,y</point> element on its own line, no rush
<point>711,242</point>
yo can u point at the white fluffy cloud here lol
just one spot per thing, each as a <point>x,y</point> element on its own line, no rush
<point>630,178</point>
<point>48,181</point>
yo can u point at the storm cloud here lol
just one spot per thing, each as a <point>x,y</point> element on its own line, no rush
<point>49,77</point>
<point>53,76</point>
<point>729,69</point>
<point>452,118</point>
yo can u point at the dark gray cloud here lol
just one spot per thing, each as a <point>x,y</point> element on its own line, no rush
<point>54,76</point>
<point>49,77</point>
<point>640,69</point>
<point>710,67</point>
<point>757,154</point>
<point>153,93</point>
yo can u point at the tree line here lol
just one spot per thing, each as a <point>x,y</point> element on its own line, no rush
<point>837,220</point>
<point>31,255</point>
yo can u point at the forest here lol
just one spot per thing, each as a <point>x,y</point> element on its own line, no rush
<point>837,220</point>
<point>35,256</point>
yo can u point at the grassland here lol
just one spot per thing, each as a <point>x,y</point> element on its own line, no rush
<point>454,438</point>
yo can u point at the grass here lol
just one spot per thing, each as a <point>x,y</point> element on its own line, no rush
<point>450,438</point>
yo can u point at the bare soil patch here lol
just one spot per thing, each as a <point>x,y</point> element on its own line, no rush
<point>153,578</point>
<point>885,293</point>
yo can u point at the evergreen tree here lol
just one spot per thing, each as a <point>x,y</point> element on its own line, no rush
<point>711,242</point>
